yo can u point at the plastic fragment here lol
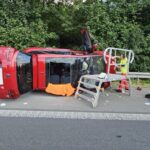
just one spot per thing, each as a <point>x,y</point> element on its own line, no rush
<point>25,103</point>
<point>2,104</point>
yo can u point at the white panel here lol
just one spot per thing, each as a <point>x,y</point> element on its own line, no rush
<point>1,76</point>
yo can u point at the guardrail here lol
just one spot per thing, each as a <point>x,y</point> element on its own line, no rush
<point>141,75</point>
<point>144,75</point>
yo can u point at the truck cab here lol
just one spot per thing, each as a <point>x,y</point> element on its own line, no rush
<point>15,73</point>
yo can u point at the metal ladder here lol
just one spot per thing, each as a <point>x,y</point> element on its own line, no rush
<point>89,85</point>
<point>87,90</point>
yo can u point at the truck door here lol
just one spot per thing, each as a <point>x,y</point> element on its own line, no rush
<point>41,73</point>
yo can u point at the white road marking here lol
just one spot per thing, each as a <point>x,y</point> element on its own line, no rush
<point>74,115</point>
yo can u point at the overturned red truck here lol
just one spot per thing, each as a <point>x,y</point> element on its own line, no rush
<point>50,69</point>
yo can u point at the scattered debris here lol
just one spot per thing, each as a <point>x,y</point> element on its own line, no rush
<point>106,94</point>
<point>2,104</point>
<point>25,103</point>
<point>118,136</point>
<point>147,103</point>
<point>139,88</point>
<point>147,96</point>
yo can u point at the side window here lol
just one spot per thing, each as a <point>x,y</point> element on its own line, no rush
<point>24,72</point>
<point>98,65</point>
<point>85,64</point>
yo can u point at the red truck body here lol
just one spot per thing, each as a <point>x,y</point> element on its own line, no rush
<point>34,68</point>
<point>8,74</point>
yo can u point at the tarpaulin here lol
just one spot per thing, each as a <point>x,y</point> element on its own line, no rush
<point>60,89</point>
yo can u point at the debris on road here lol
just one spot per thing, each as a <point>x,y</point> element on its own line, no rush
<point>147,96</point>
<point>139,88</point>
<point>2,104</point>
<point>25,103</point>
<point>106,94</point>
<point>147,103</point>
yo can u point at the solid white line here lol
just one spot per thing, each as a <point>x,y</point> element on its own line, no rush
<point>74,115</point>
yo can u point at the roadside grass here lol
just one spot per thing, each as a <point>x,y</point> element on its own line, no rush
<point>144,83</point>
<point>141,82</point>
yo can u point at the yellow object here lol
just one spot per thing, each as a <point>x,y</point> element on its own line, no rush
<point>60,89</point>
<point>124,66</point>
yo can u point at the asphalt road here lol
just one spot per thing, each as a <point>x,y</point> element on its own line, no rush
<point>109,101</point>
<point>71,134</point>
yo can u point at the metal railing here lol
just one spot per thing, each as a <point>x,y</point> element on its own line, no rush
<point>141,75</point>
<point>112,52</point>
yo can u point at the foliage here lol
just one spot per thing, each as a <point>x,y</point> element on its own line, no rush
<point>112,23</point>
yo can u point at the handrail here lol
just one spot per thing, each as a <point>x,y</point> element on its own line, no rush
<point>132,56</point>
<point>108,55</point>
<point>113,48</point>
